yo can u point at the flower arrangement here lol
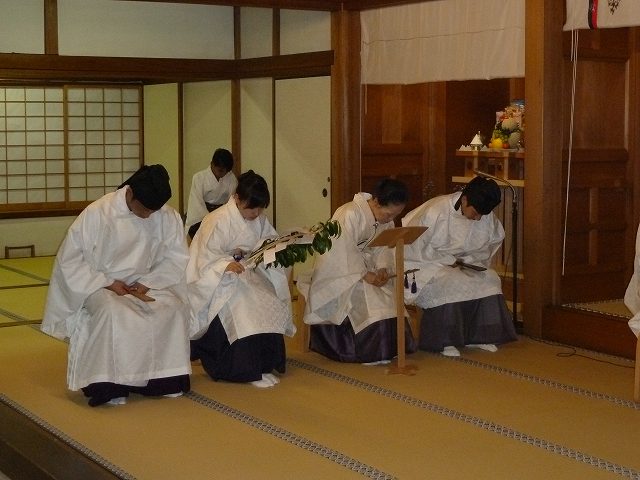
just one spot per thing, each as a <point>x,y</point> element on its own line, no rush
<point>509,126</point>
<point>294,247</point>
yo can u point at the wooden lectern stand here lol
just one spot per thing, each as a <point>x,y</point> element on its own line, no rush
<point>397,238</point>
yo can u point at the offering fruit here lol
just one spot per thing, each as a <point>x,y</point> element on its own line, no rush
<point>496,143</point>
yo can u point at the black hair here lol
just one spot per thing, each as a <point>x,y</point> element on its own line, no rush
<point>222,158</point>
<point>253,190</point>
<point>482,193</point>
<point>390,191</point>
<point>150,186</point>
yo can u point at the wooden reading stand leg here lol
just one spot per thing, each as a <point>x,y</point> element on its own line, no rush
<point>399,365</point>
<point>305,332</point>
<point>636,382</point>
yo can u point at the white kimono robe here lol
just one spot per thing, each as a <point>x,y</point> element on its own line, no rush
<point>451,236</point>
<point>256,301</point>
<point>206,188</point>
<point>337,289</point>
<point>120,339</point>
<point>632,295</point>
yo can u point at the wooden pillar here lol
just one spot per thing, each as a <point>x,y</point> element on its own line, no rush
<point>345,107</point>
<point>543,171</point>
<point>51,27</point>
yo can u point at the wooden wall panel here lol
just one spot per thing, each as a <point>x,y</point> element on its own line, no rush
<point>471,107</point>
<point>393,140</point>
<point>600,103</point>
<point>400,161</point>
<point>372,116</point>
<point>603,333</point>
<point>596,259</point>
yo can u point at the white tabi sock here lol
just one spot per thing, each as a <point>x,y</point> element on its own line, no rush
<point>173,395</point>
<point>489,347</point>
<point>377,362</point>
<point>270,377</point>
<point>450,351</point>
<point>262,383</point>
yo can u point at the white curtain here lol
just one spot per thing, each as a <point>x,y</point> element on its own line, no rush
<point>443,40</point>
<point>602,14</point>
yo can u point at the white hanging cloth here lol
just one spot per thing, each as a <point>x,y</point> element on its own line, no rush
<point>443,40</point>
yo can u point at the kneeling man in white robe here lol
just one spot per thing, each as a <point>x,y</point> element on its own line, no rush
<point>118,293</point>
<point>460,294</point>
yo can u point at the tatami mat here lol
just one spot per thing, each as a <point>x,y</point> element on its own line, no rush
<point>531,410</point>
<point>23,303</point>
<point>35,266</point>
<point>453,419</point>
<point>13,279</point>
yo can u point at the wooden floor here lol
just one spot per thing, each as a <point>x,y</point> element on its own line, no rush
<point>532,410</point>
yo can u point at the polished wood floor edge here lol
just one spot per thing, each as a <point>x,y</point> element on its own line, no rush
<point>30,452</point>
<point>592,330</point>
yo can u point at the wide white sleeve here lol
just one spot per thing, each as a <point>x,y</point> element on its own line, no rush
<point>490,235</point>
<point>208,259</point>
<point>423,249</point>
<point>339,269</point>
<point>169,266</point>
<point>231,184</point>
<point>196,208</point>
<point>74,277</point>
<point>277,276</point>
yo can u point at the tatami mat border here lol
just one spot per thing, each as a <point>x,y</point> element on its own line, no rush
<point>587,307</point>
<point>13,316</point>
<point>20,323</point>
<point>117,471</point>
<point>475,421</point>
<point>621,402</point>
<point>290,437</point>
<point>45,281</point>
<point>29,285</point>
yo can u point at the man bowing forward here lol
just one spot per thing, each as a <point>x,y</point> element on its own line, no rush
<point>117,291</point>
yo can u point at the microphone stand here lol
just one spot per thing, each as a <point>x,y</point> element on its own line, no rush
<point>514,239</point>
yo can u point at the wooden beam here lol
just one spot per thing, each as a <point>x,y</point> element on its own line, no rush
<point>325,5</point>
<point>373,4</point>
<point>296,65</point>
<point>59,68</point>
<point>321,5</point>
<point>15,66</point>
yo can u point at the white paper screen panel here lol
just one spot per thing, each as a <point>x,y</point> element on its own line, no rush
<point>21,26</point>
<point>99,141</point>
<point>304,31</point>
<point>256,32</point>
<point>144,29</point>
